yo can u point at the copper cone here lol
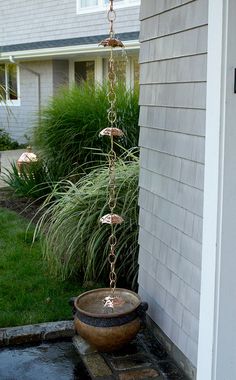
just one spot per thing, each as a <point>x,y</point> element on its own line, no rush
<point>111,219</point>
<point>112,42</point>
<point>112,132</point>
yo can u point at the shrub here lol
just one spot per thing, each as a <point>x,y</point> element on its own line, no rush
<point>68,134</point>
<point>76,243</point>
<point>6,142</point>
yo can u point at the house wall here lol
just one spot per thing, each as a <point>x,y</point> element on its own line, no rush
<point>56,19</point>
<point>33,21</point>
<point>18,120</point>
<point>172,121</point>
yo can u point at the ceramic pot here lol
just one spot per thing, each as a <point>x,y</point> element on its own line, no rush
<point>108,329</point>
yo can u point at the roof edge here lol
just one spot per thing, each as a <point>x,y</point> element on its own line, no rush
<point>66,42</point>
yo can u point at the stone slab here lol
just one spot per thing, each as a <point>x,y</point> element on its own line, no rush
<point>131,362</point>
<point>36,333</point>
<point>143,374</point>
<point>96,366</point>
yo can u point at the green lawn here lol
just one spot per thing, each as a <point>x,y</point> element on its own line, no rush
<point>28,294</point>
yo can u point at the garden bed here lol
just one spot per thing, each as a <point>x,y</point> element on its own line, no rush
<point>24,206</point>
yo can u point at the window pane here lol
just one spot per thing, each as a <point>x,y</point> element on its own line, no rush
<point>2,83</point>
<point>12,81</point>
<point>88,3</point>
<point>84,71</point>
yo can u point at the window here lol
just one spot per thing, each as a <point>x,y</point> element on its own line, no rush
<point>85,71</point>
<point>9,79</point>
<point>96,70</point>
<point>87,6</point>
<point>126,69</point>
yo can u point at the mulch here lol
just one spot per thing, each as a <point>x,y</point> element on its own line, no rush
<point>23,206</point>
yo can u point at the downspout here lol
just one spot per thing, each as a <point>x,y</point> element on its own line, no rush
<point>38,75</point>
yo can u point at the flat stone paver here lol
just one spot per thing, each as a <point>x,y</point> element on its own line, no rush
<point>12,336</point>
<point>7,157</point>
<point>142,359</point>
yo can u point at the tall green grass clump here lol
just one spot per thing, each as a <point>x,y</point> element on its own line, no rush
<point>32,181</point>
<point>68,134</point>
<point>75,242</point>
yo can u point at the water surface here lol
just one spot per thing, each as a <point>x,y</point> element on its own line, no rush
<point>47,361</point>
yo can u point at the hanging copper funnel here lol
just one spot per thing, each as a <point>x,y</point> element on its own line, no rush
<point>112,42</point>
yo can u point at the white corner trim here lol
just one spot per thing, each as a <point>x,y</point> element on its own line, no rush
<point>210,248</point>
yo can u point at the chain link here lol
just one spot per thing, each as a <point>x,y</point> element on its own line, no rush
<point>112,131</point>
<point>111,15</point>
<point>112,117</point>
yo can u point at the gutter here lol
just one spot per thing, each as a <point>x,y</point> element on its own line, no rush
<point>65,51</point>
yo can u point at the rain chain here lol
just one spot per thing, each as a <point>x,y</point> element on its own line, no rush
<point>112,218</point>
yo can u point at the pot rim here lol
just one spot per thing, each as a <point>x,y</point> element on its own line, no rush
<point>100,315</point>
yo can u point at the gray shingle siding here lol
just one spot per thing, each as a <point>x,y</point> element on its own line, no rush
<point>172,122</point>
<point>52,19</point>
<point>19,120</point>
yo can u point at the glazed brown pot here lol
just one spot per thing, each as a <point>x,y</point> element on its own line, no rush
<point>105,329</point>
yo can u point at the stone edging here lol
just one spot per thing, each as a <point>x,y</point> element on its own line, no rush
<point>37,333</point>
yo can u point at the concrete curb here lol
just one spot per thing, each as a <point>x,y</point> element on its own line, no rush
<point>37,333</point>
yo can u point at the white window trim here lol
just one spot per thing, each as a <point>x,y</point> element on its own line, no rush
<point>13,102</point>
<point>102,6</point>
